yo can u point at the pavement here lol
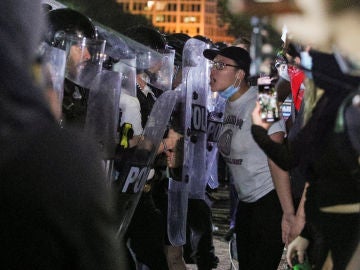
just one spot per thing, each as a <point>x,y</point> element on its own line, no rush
<point>222,251</point>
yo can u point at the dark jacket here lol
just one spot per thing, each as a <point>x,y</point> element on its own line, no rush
<point>328,159</point>
<point>56,212</point>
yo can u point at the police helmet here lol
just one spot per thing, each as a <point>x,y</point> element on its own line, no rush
<point>116,48</point>
<point>177,42</point>
<point>65,21</point>
<point>204,39</point>
<point>147,36</point>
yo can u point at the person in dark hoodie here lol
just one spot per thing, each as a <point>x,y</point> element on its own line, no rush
<point>326,150</point>
<point>56,212</point>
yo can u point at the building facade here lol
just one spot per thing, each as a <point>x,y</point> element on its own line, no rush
<point>192,17</point>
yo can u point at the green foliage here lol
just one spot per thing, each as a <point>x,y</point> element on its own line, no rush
<point>337,6</point>
<point>240,25</point>
<point>108,13</point>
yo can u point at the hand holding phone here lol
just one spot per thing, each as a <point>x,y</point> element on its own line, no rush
<point>268,100</point>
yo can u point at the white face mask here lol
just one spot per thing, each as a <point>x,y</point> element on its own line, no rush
<point>228,92</point>
<point>232,89</point>
<point>283,72</point>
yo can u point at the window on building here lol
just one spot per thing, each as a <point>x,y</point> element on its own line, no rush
<point>210,20</point>
<point>185,7</point>
<point>159,5</point>
<point>210,9</point>
<point>149,5</point>
<point>171,18</point>
<point>195,7</point>
<point>171,7</point>
<point>160,18</point>
<point>124,7</point>
<point>190,19</point>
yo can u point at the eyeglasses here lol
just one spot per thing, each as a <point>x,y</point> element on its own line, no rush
<point>221,65</point>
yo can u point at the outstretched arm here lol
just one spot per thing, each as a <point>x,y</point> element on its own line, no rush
<point>276,151</point>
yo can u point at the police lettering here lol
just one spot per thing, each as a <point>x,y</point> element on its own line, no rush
<point>135,179</point>
<point>213,130</point>
<point>199,118</point>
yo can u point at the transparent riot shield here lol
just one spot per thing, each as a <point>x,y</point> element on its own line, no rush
<point>156,68</point>
<point>216,107</point>
<point>126,66</point>
<point>53,71</point>
<point>119,58</point>
<point>134,169</point>
<point>102,115</point>
<point>177,188</point>
<point>83,64</point>
<point>192,185</point>
<point>198,81</point>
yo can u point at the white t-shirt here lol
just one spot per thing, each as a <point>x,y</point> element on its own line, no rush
<point>130,108</point>
<point>248,164</point>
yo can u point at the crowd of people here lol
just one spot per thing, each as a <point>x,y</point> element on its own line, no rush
<point>97,130</point>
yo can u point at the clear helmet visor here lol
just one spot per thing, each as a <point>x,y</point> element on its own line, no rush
<point>84,58</point>
<point>161,69</point>
<point>122,57</point>
<point>155,66</point>
<point>53,70</point>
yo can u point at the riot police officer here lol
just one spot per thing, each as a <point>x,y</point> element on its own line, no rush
<point>147,230</point>
<point>75,33</point>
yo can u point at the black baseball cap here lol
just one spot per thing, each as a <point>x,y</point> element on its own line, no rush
<point>239,55</point>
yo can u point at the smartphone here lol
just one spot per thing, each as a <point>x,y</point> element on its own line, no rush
<point>270,111</point>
